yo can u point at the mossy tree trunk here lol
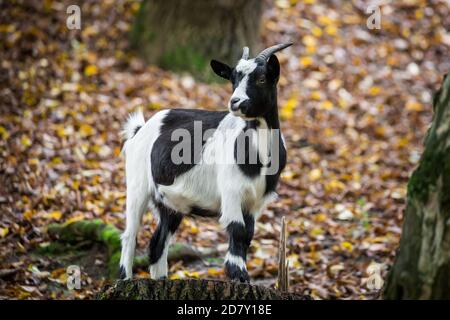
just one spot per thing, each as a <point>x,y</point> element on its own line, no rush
<point>184,35</point>
<point>422,266</point>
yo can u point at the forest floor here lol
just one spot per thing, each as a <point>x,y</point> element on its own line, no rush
<point>355,106</point>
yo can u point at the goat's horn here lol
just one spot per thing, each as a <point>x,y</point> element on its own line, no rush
<point>245,53</point>
<point>266,53</point>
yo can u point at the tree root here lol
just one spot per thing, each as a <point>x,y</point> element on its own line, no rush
<point>80,233</point>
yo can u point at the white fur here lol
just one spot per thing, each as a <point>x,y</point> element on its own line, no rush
<point>246,67</point>
<point>139,182</point>
<point>135,120</point>
<point>236,260</point>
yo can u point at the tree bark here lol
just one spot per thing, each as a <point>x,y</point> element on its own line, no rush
<point>422,266</point>
<point>185,35</point>
<point>192,289</point>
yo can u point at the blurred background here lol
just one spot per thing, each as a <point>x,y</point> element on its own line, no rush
<point>355,104</point>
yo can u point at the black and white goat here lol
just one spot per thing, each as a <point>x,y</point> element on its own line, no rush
<point>236,191</point>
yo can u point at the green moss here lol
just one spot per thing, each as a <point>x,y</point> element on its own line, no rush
<point>187,58</point>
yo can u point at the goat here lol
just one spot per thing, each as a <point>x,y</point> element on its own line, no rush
<point>236,191</point>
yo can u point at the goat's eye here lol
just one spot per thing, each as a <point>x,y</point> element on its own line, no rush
<point>262,80</point>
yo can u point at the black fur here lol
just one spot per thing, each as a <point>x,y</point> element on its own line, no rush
<point>203,212</point>
<point>169,220</point>
<point>164,171</point>
<point>240,237</point>
<point>235,273</point>
<point>254,169</point>
<point>136,130</point>
<point>122,274</point>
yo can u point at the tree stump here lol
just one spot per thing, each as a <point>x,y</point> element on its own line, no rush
<point>192,289</point>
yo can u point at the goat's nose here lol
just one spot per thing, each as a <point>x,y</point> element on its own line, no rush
<point>233,103</point>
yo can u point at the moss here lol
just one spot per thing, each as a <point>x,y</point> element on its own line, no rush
<point>187,58</point>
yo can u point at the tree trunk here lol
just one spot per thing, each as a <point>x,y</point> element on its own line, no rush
<point>192,289</point>
<point>422,266</point>
<point>185,35</point>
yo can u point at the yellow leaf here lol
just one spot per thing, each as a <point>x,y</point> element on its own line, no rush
<point>311,49</point>
<point>293,260</point>
<point>4,133</point>
<point>316,95</point>
<point>74,219</point>
<point>315,174</point>
<point>4,232</point>
<point>55,274</point>
<point>193,274</point>
<point>419,14</point>
<point>143,274</point>
<point>309,40</point>
<point>328,132</point>
<point>61,131</point>
<point>25,141</point>
<point>334,185</point>
<point>288,175</point>
<point>331,30</point>
<point>56,215</point>
<point>33,162</point>
<point>306,61</point>
<point>321,217</point>
<point>325,20</point>
<point>414,106</point>
<point>326,105</point>
<point>5,28</point>
<point>373,91</point>
<point>90,70</point>
<point>215,272</point>
<point>347,246</point>
<point>56,160</point>
<point>29,214</point>
<point>194,229</point>
<point>316,31</point>
<point>287,111</point>
<point>86,130</point>
<point>316,232</point>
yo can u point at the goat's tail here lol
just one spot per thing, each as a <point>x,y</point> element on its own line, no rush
<point>134,123</point>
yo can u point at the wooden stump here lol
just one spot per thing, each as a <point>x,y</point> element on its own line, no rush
<point>192,289</point>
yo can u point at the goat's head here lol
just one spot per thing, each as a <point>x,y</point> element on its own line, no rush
<point>254,82</point>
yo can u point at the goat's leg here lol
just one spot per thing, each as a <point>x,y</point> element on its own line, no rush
<point>240,235</point>
<point>169,220</point>
<point>136,205</point>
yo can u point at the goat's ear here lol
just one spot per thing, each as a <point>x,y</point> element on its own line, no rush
<point>221,69</point>
<point>273,68</point>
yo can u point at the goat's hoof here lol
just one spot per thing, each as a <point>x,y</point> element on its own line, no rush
<point>122,273</point>
<point>237,274</point>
